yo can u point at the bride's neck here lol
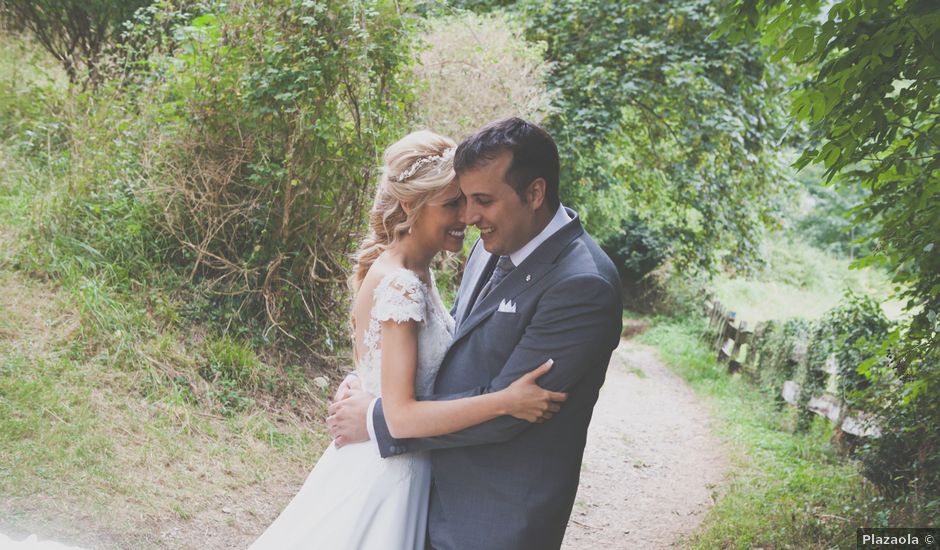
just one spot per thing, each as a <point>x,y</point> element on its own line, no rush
<point>412,254</point>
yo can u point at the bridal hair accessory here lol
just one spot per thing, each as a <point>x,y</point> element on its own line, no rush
<point>449,152</point>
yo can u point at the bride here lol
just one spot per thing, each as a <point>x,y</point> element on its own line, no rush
<point>353,499</point>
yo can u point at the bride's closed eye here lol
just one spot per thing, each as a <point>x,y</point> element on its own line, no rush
<point>454,203</point>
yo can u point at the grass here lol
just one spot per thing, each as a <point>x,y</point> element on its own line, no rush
<point>801,281</point>
<point>94,421</point>
<point>124,422</point>
<point>786,490</point>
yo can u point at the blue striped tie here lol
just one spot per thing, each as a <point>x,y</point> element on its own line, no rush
<point>503,266</point>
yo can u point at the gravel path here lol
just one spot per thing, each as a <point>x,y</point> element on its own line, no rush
<point>651,466</point>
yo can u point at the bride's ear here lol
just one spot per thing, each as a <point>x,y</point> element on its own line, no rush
<point>407,206</point>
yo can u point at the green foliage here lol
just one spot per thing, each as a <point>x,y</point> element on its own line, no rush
<point>851,333</point>
<point>906,459</point>
<point>102,224</point>
<point>871,102</point>
<point>656,120</point>
<point>778,351</point>
<point>785,489</point>
<point>827,222</point>
<point>271,120</point>
<point>32,100</point>
<point>636,249</point>
<point>75,32</point>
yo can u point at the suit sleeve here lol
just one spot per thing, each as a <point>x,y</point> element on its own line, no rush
<point>577,323</point>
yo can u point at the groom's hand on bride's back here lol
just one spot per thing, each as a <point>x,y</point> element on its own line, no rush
<point>347,419</point>
<point>351,382</point>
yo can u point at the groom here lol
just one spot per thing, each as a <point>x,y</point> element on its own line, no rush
<point>536,286</point>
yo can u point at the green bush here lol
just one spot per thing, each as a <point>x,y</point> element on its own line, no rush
<point>777,352</point>
<point>241,159</point>
<point>636,249</point>
<point>267,122</point>
<point>852,333</point>
<point>905,460</point>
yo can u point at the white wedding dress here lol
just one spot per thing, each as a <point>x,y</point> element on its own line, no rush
<point>354,499</point>
<point>32,542</point>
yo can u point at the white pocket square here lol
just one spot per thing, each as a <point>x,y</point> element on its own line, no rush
<point>507,306</point>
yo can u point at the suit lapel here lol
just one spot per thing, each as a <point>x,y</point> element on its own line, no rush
<point>533,269</point>
<point>479,266</point>
<point>511,287</point>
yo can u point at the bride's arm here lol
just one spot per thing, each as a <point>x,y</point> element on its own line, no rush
<point>407,417</point>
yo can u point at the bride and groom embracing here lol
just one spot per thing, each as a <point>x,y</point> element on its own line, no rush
<point>464,429</point>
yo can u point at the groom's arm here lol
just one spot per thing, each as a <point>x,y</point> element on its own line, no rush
<point>577,324</point>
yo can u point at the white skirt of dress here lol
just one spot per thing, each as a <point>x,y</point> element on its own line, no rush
<point>32,543</point>
<point>354,499</point>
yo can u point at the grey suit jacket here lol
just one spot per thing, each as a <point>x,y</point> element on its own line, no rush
<point>508,484</point>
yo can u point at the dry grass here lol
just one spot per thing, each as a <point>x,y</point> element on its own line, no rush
<point>99,454</point>
<point>479,68</point>
<point>89,459</point>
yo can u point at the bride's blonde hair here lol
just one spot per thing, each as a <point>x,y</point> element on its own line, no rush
<point>416,167</point>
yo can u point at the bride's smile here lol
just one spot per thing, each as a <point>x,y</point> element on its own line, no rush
<point>439,226</point>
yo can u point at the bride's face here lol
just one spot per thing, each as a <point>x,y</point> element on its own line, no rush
<point>439,224</point>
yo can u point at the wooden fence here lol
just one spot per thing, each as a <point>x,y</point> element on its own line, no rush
<point>733,341</point>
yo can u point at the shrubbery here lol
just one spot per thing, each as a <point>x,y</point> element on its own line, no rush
<point>478,68</point>
<point>904,460</point>
<point>269,121</point>
<point>240,153</point>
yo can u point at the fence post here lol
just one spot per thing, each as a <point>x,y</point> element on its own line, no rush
<point>725,331</point>
<point>751,362</point>
<point>742,337</point>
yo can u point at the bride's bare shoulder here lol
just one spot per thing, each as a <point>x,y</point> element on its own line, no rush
<point>376,273</point>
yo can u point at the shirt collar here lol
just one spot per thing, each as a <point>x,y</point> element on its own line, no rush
<point>559,220</point>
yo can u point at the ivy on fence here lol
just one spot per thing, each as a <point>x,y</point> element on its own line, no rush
<point>810,365</point>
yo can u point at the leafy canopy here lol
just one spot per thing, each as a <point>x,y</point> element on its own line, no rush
<point>657,121</point>
<point>871,102</point>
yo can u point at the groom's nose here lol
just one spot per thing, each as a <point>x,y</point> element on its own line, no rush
<point>468,214</point>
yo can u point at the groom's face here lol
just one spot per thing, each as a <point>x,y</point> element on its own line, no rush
<point>506,223</point>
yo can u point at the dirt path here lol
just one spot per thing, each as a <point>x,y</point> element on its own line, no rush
<point>651,466</point>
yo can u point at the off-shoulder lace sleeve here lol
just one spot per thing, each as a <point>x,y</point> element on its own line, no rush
<point>399,297</point>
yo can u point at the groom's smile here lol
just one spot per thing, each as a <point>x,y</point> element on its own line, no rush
<point>505,221</point>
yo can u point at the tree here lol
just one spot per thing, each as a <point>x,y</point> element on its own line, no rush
<point>871,103</point>
<point>657,122</point>
<point>76,32</point>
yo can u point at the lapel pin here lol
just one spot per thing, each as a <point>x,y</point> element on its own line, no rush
<point>528,278</point>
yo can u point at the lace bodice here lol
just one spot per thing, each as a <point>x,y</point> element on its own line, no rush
<point>401,296</point>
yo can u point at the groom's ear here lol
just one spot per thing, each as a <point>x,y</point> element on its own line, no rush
<point>536,193</point>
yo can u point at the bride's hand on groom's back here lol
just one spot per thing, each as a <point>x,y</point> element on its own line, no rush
<point>530,402</point>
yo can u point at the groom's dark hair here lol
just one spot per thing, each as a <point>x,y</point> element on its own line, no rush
<point>534,155</point>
